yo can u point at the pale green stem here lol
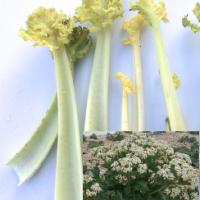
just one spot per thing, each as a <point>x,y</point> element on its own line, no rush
<point>69,175</point>
<point>125,126</point>
<point>174,112</point>
<point>138,81</point>
<point>27,161</point>
<point>31,156</point>
<point>135,110</point>
<point>97,102</point>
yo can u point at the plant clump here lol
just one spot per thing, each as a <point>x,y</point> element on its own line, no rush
<point>118,136</point>
<point>93,136</point>
<point>95,143</point>
<point>139,168</point>
<point>192,150</point>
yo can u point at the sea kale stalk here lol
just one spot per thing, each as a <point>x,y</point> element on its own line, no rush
<point>187,23</point>
<point>127,88</point>
<point>47,27</point>
<point>133,27</point>
<point>31,156</point>
<point>99,16</point>
<point>153,13</point>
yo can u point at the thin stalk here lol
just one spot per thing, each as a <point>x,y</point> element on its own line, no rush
<point>125,126</point>
<point>31,156</point>
<point>174,112</point>
<point>69,178</point>
<point>138,82</point>
<point>97,103</point>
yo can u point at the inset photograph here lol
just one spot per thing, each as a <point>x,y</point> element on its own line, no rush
<point>141,166</point>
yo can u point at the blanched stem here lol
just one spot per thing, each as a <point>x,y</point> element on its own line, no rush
<point>174,112</point>
<point>27,161</point>
<point>97,103</point>
<point>125,126</point>
<point>31,156</point>
<point>138,81</point>
<point>69,178</point>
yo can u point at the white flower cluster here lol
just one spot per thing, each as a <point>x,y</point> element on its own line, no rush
<point>88,178</point>
<point>140,157</point>
<point>181,192</point>
<point>94,189</point>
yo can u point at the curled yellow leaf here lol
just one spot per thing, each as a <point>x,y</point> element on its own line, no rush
<point>47,27</point>
<point>99,14</point>
<point>151,10</point>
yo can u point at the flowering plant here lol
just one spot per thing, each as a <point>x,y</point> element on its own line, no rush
<point>139,167</point>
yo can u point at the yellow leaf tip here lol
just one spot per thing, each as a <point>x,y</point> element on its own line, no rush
<point>126,82</point>
<point>133,27</point>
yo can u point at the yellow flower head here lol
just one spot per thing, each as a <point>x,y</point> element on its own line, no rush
<point>133,27</point>
<point>177,81</point>
<point>126,83</point>
<point>99,13</point>
<point>47,27</point>
<point>151,10</point>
